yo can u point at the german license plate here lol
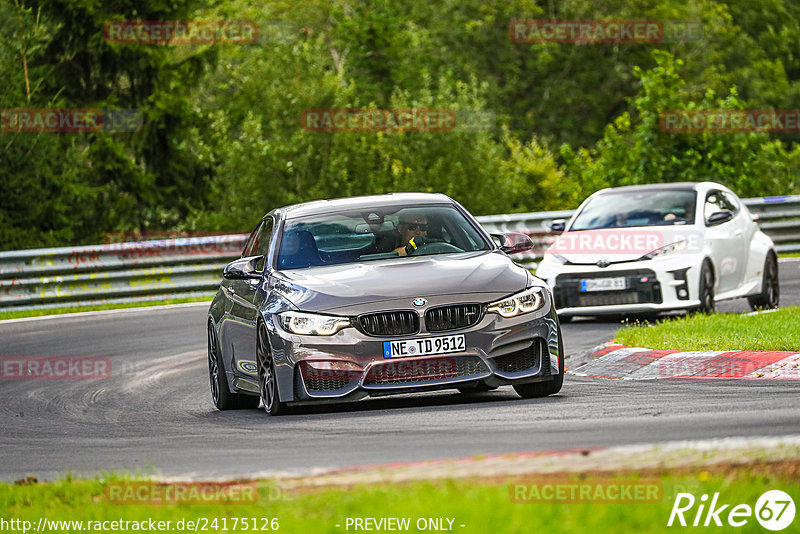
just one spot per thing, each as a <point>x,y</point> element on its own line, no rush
<point>603,284</point>
<point>423,347</point>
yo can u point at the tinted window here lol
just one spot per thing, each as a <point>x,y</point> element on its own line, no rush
<point>355,236</point>
<point>263,239</point>
<point>719,201</point>
<point>641,208</point>
<point>248,246</point>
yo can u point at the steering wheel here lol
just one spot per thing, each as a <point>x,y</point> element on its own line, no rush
<point>434,247</point>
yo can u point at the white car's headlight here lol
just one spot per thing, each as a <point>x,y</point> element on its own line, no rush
<point>672,248</point>
<point>312,324</point>
<point>528,301</point>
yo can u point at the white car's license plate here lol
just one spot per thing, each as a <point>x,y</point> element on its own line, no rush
<point>424,347</point>
<point>603,284</point>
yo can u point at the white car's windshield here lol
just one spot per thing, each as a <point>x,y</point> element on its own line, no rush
<point>630,209</point>
<point>365,235</point>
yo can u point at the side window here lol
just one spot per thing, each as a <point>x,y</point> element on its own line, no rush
<point>248,246</point>
<point>730,202</point>
<point>263,239</point>
<point>719,201</point>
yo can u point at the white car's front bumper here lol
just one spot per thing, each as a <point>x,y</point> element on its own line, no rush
<point>653,286</point>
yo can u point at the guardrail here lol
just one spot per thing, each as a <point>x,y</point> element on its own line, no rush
<point>115,273</point>
<point>188,267</point>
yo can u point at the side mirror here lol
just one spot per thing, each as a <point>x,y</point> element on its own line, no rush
<point>243,269</point>
<point>719,217</point>
<point>514,242</point>
<point>558,226</point>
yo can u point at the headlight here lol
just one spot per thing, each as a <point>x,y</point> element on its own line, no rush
<point>528,301</point>
<point>312,324</point>
<point>672,248</point>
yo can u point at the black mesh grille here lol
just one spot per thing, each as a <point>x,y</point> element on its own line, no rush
<point>521,360</point>
<point>424,370</point>
<point>610,298</point>
<point>454,317</point>
<point>327,380</point>
<point>642,286</point>
<point>396,323</point>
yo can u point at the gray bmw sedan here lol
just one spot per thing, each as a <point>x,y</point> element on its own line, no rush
<point>337,300</point>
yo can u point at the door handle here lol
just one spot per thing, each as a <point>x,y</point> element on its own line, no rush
<point>737,233</point>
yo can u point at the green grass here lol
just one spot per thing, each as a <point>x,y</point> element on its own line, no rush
<point>99,307</point>
<point>766,331</point>
<point>480,505</point>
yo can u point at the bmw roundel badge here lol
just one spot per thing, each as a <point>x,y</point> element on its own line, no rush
<point>420,302</point>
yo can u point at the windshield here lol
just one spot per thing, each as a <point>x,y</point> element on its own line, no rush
<point>368,235</point>
<point>641,208</point>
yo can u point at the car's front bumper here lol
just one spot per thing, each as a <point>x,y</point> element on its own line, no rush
<point>499,351</point>
<point>651,287</point>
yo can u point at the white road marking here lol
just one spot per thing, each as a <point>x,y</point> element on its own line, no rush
<point>106,312</point>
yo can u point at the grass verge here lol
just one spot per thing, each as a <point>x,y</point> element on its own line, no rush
<point>99,307</point>
<point>461,505</point>
<point>775,330</point>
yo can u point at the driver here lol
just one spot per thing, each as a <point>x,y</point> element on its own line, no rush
<point>411,226</point>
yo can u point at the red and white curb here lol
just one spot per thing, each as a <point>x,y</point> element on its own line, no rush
<point>615,361</point>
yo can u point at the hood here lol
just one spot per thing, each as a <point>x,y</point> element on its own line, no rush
<point>615,245</point>
<point>326,288</point>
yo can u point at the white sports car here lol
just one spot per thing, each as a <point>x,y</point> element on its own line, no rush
<point>655,248</point>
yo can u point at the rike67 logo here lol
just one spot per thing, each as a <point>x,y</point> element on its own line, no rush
<point>774,510</point>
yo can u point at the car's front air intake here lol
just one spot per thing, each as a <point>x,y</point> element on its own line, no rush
<point>395,323</point>
<point>419,371</point>
<point>523,360</point>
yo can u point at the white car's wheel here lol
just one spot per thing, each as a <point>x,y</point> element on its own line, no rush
<point>705,289</point>
<point>770,289</point>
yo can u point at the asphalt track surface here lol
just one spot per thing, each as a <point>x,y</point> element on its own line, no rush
<point>153,415</point>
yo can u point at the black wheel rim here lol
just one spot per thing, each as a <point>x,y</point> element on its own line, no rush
<point>266,376</point>
<point>213,366</point>
<point>708,290</point>
<point>772,291</point>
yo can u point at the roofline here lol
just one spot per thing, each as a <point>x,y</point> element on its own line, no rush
<point>678,186</point>
<point>323,206</point>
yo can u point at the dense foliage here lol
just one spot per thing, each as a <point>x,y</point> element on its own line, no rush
<point>222,143</point>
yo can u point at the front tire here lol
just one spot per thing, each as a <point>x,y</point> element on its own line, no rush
<point>769,297</point>
<point>705,290</point>
<point>267,379</point>
<point>220,392</point>
<point>550,387</point>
